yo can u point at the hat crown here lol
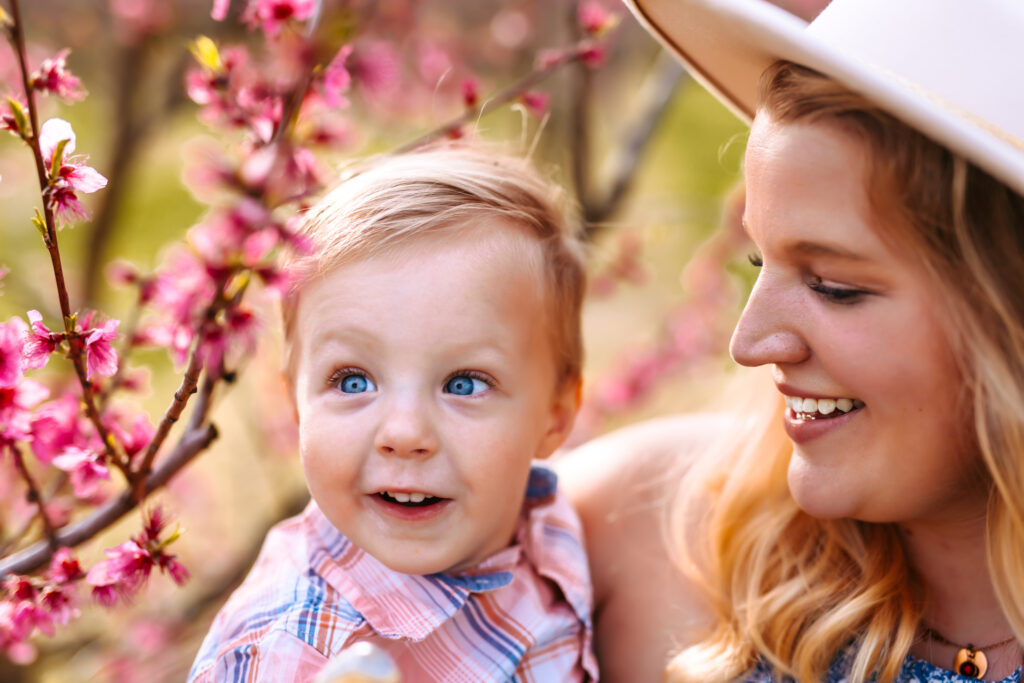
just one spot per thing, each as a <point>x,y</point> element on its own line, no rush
<point>966,55</point>
<point>952,69</point>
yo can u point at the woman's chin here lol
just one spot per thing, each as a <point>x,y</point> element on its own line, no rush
<point>822,495</point>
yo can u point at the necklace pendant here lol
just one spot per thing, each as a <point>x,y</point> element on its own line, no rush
<point>970,662</point>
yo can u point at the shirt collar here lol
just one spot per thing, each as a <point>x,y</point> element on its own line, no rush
<point>413,606</point>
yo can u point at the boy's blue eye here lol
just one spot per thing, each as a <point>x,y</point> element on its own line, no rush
<point>356,384</point>
<point>464,385</point>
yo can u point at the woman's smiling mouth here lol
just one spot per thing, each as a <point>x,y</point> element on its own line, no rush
<point>821,408</point>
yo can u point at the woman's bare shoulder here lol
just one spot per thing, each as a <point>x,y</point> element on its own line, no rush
<point>623,484</point>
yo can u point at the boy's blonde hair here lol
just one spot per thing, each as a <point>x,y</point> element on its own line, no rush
<point>392,200</point>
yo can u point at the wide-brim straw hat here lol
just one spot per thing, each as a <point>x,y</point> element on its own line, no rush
<point>952,69</point>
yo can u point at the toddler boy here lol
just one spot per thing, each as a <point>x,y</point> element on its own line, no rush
<point>432,346</point>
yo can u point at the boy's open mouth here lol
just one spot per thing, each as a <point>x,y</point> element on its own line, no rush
<point>409,499</point>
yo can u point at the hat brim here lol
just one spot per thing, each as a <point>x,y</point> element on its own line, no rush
<point>727,45</point>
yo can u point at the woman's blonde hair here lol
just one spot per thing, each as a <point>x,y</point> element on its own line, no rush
<point>392,200</point>
<point>793,591</point>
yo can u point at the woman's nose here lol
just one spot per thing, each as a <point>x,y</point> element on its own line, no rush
<point>406,430</point>
<point>768,331</point>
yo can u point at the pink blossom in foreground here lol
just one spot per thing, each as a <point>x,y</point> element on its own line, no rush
<point>129,565</point>
<point>536,102</point>
<point>123,572</point>
<point>40,342</point>
<point>133,436</point>
<point>57,425</point>
<point>336,79</point>
<point>52,76</point>
<point>100,356</point>
<point>376,67</point>
<point>16,404</point>
<point>72,177</point>
<point>220,9</point>
<point>64,567</point>
<point>470,92</point>
<point>594,18</point>
<point>86,468</point>
<point>12,364</point>
<point>272,15</point>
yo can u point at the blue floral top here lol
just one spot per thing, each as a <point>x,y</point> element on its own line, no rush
<point>914,671</point>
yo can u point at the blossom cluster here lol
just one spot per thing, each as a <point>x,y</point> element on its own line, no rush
<point>77,448</point>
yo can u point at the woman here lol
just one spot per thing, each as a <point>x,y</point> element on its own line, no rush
<point>873,524</point>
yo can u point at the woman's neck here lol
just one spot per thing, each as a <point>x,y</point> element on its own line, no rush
<point>949,557</point>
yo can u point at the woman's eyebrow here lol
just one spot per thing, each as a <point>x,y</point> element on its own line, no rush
<point>809,248</point>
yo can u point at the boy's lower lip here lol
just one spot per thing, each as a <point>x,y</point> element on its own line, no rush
<point>407,513</point>
<point>802,431</point>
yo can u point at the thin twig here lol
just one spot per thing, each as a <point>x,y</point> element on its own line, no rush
<point>669,75</point>
<point>34,496</point>
<point>503,97</point>
<point>37,555</point>
<point>50,239</point>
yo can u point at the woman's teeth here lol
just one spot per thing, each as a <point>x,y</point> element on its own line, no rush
<point>814,408</point>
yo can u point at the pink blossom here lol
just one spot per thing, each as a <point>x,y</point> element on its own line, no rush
<point>73,176</point>
<point>594,18</point>
<point>59,606</point>
<point>87,470</point>
<point>64,567</point>
<point>220,9</point>
<point>123,573</point>
<point>136,437</point>
<point>12,363</point>
<point>336,79</point>
<point>16,405</point>
<point>470,92</point>
<point>95,343</point>
<point>40,342</point>
<point>376,67</point>
<point>57,425</point>
<point>272,15</point>
<point>593,55</point>
<point>536,102</point>
<point>52,76</point>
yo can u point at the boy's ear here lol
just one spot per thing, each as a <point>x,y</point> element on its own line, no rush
<point>564,407</point>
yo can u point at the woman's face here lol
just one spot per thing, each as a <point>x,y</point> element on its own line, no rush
<point>854,333</point>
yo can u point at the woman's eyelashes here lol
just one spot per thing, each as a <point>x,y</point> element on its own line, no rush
<point>839,295</point>
<point>467,383</point>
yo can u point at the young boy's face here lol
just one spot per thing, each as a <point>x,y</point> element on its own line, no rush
<point>425,384</point>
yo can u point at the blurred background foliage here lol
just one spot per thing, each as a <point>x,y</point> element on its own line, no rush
<point>651,158</point>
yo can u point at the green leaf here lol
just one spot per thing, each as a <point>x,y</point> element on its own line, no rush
<point>58,158</point>
<point>20,119</point>
<point>206,53</point>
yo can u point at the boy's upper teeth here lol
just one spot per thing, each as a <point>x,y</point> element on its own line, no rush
<point>825,406</point>
<point>415,497</point>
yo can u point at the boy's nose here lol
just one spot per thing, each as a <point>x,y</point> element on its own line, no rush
<point>769,329</point>
<point>406,431</point>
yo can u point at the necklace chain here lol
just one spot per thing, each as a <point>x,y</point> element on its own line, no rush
<point>932,634</point>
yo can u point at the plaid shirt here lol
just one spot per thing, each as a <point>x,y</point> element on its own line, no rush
<point>523,614</point>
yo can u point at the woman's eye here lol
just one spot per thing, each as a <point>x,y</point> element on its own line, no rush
<point>839,295</point>
<point>755,259</point>
<point>354,383</point>
<point>465,385</point>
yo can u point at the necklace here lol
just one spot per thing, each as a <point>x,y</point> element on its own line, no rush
<point>970,661</point>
